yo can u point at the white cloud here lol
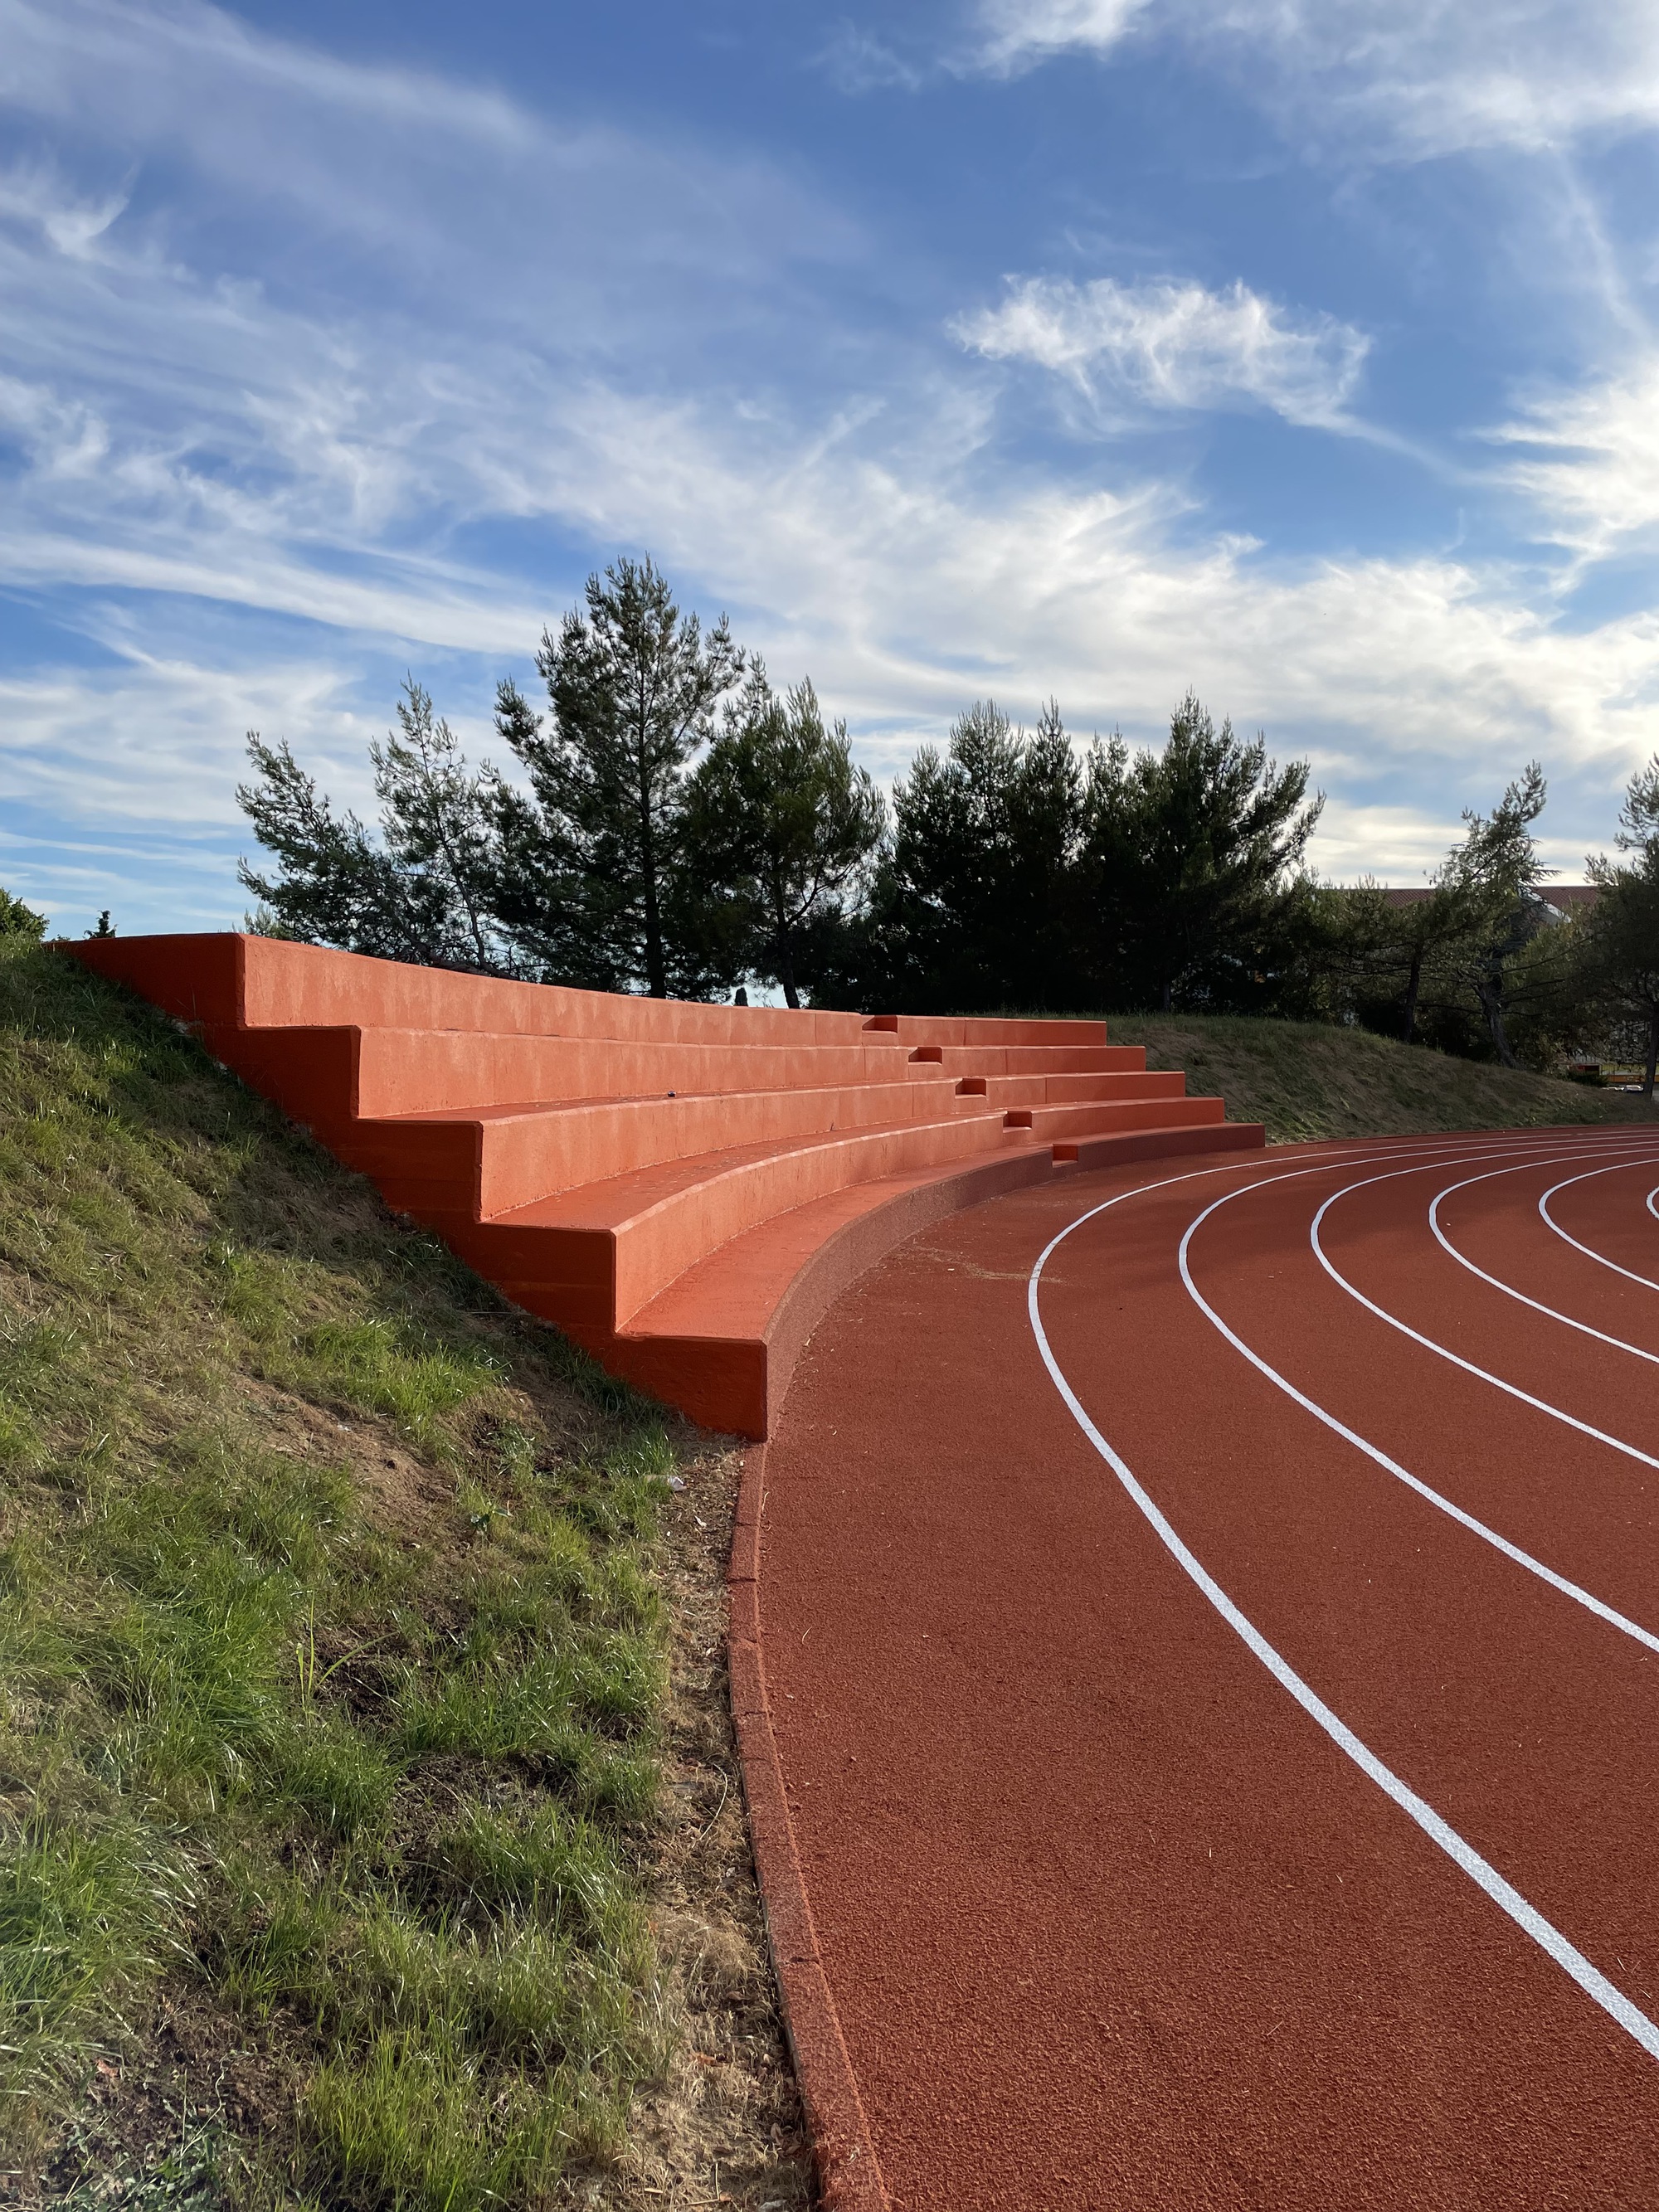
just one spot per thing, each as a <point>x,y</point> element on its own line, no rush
<point>157,739</point>
<point>1415,77</point>
<point>335,471</point>
<point>1166,344</point>
<point>1589,460</point>
<point>31,193</point>
<point>855,60</point>
<point>1016,34</point>
<point>575,232</point>
<point>887,562</point>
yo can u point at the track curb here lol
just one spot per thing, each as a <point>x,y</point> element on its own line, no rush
<point>843,2152</point>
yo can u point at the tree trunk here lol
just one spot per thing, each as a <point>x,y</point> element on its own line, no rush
<point>1413,985</point>
<point>656,973</point>
<point>784,946</point>
<point>1166,994</point>
<point>1491,1006</point>
<point>1653,1052</point>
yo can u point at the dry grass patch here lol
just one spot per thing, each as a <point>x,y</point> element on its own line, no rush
<point>1307,1080</point>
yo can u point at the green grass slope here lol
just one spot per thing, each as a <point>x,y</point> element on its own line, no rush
<point>1307,1080</point>
<point>330,1668</point>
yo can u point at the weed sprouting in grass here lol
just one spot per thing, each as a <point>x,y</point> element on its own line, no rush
<point>330,1662</point>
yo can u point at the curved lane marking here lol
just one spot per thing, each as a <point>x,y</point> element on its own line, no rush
<point>1509,1290</point>
<point>1509,1900</point>
<point>1444,1351</point>
<point>1576,1591</point>
<point>1588,1251</point>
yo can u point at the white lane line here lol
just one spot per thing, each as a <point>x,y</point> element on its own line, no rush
<point>1509,1900</point>
<point>1380,1458</point>
<point>1457,1358</point>
<point>1509,1290</point>
<point>1652,1208</point>
<point>1600,1258</point>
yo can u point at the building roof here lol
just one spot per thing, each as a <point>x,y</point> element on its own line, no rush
<point>1562,896</point>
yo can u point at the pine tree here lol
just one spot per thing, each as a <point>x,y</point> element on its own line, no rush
<point>17,920</point>
<point>1617,968</point>
<point>972,903</point>
<point>1493,878</point>
<point>438,826</point>
<point>423,891</point>
<point>781,823</point>
<point>1191,860</point>
<point>634,687</point>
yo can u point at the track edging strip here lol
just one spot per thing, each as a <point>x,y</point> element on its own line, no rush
<point>843,2150</point>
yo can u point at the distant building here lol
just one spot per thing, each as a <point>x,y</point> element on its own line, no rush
<point>1564,897</point>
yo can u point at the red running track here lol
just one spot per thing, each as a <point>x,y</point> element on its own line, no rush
<point>1211,1624</point>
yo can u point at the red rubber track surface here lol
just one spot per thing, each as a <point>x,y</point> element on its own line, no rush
<point>1107,1918</point>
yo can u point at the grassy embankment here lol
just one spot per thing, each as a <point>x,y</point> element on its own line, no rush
<point>1308,1081</point>
<point>332,1664</point>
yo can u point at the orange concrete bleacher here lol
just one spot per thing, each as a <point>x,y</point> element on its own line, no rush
<point>682,1188</point>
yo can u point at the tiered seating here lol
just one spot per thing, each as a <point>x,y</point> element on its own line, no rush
<point>681,1187</point>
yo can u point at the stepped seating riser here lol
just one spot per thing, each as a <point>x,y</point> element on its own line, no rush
<point>257,981</point>
<point>405,1072</point>
<point>280,993</point>
<point>992,1029</point>
<point>1083,1090</point>
<point>595,1277</point>
<point>669,1233</point>
<point>681,1187</point>
<point>995,1059</point>
<point>485,1168</point>
<point>1052,1122</point>
<point>311,1073</point>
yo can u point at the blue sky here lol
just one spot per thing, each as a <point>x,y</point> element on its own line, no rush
<point>1302,351</point>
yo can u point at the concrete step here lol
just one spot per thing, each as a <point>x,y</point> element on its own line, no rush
<point>1107,1118</point>
<point>485,1161</point>
<point>1073,1090</point>
<point>344,1070</point>
<point>682,1187</point>
<point>723,1339</point>
<point>980,1030</point>
<point>590,1258</point>
<point>1031,1059</point>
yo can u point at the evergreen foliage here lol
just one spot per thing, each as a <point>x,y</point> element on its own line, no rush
<point>1192,857</point>
<point>1477,964</point>
<point>17,920</point>
<point>970,905</point>
<point>781,823</point>
<point>1616,974</point>
<point>1497,871</point>
<point>597,857</point>
<point>679,826</point>
<point>423,892</point>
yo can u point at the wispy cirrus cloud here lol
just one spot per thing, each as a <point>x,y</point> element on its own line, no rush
<point>1167,345</point>
<point>583,234</point>
<point>858,60</point>
<point>1412,77</point>
<point>257,464</point>
<point>1013,35</point>
<point>1588,459</point>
